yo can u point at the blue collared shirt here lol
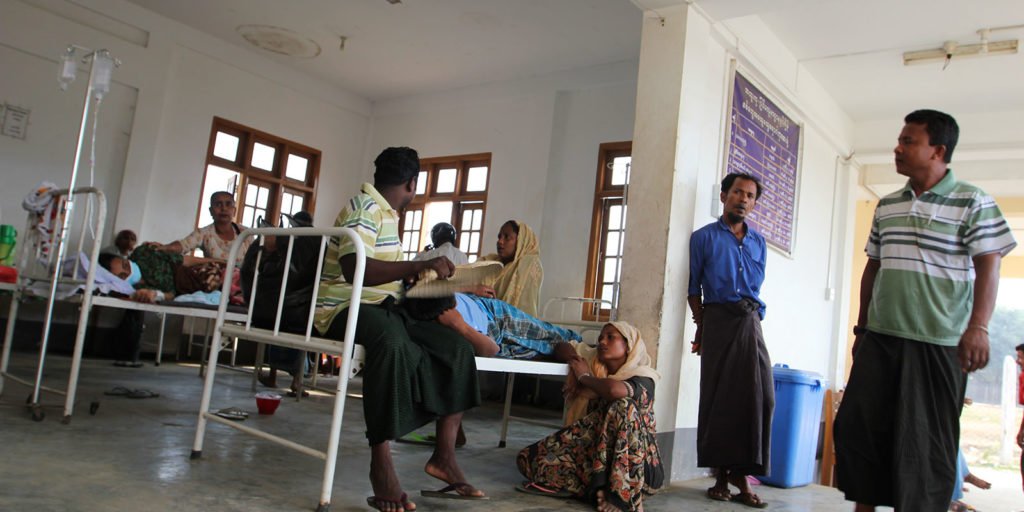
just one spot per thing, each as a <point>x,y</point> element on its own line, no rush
<point>723,269</point>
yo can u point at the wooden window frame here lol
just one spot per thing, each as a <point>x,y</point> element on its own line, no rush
<point>275,179</point>
<point>603,190</point>
<point>458,197</point>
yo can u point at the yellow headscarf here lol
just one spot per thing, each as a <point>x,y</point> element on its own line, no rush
<point>520,280</point>
<point>638,364</point>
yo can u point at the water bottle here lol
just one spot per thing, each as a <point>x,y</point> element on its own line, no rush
<point>8,238</point>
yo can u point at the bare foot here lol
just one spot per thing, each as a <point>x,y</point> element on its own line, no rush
<point>977,482</point>
<point>720,491</point>
<point>741,483</point>
<point>460,438</point>
<point>387,490</point>
<point>603,505</point>
<point>448,471</point>
<point>269,380</point>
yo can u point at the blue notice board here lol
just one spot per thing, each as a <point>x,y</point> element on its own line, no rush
<point>765,142</point>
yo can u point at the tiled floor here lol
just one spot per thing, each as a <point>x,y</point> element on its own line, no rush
<point>133,455</point>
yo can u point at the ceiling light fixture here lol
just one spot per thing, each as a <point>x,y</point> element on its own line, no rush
<point>952,49</point>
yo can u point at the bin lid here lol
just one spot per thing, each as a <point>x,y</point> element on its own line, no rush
<point>784,373</point>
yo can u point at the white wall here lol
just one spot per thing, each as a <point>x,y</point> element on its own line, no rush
<point>800,326</point>
<point>177,81</point>
<point>203,87</point>
<point>583,119</point>
<point>47,152</point>
<point>543,134</point>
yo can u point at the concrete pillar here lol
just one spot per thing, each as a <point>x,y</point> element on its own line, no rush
<point>676,135</point>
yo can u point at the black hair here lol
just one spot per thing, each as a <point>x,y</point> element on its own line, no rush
<point>512,224</point>
<point>213,196</point>
<point>126,234</point>
<point>1020,348</point>
<point>941,127</point>
<point>428,309</point>
<point>300,219</point>
<point>106,258</point>
<point>396,166</point>
<point>442,233</point>
<point>733,176</point>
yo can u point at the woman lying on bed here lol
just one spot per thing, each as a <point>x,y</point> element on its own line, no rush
<point>165,275</point>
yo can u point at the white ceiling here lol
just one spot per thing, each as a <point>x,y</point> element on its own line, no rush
<point>853,48</point>
<point>421,46</point>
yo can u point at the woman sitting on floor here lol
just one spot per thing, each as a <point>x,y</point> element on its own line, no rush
<point>608,453</point>
<point>519,282</point>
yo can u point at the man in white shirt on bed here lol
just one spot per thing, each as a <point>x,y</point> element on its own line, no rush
<point>442,238</point>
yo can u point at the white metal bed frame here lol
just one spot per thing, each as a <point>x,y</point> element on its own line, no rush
<point>350,353</point>
<point>301,342</point>
<point>85,303</point>
<point>28,266</point>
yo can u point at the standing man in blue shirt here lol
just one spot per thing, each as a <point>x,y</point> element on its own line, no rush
<point>737,394</point>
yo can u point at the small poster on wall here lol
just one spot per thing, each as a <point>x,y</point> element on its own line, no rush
<point>765,142</point>
<point>15,121</point>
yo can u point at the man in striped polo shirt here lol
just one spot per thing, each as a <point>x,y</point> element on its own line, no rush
<point>416,372</point>
<point>927,294</point>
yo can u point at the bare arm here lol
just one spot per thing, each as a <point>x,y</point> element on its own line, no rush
<point>697,307</point>
<point>190,261</point>
<point>380,272</point>
<point>609,389</point>
<point>974,347</point>
<point>1020,434</point>
<point>565,352</point>
<point>483,345</point>
<point>174,247</point>
<point>867,286</point>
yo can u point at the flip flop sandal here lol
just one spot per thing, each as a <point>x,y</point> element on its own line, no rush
<point>719,494</point>
<point>402,502</point>
<point>233,413</point>
<point>420,439</point>
<point>118,391</point>
<point>539,490</point>
<point>749,499</point>
<point>451,492</point>
<point>142,393</point>
<point>293,394</point>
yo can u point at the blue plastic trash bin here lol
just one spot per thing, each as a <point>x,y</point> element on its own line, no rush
<point>798,396</point>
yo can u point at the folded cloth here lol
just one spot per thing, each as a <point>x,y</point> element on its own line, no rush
<point>464,279</point>
<point>212,298</point>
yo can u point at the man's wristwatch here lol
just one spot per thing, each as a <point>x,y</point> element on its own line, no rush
<point>858,330</point>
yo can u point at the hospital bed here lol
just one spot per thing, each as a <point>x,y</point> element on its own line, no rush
<point>351,354</point>
<point>36,269</point>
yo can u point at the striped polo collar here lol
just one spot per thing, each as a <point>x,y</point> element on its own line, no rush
<point>371,191</point>
<point>944,187</point>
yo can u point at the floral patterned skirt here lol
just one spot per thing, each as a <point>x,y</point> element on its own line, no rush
<point>612,448</point>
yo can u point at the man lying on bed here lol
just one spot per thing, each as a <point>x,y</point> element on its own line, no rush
<point>494,327</point>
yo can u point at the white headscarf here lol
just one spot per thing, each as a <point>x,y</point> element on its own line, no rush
<point>638,364</point>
